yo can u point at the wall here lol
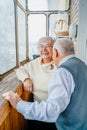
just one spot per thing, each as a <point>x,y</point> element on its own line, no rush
<point>74,14</point>
<point>82,31</point>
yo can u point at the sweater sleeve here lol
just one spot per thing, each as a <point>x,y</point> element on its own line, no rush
<point>23,72</point>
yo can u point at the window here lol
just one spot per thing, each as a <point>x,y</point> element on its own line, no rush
<point>21,35</point>
<point>7,36</point>
<point>38,20</point>
<point>48,5</point>
<point>37,29</point>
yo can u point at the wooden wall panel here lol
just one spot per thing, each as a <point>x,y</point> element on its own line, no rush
<point>10,119</point>
<point>74,12</point>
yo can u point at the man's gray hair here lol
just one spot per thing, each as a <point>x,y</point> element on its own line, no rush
<point>46,39</point>
<point>64,45</point>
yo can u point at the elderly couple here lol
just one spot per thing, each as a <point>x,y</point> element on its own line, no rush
<point>58,81</point>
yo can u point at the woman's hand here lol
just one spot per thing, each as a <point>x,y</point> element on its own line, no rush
<point>28,85</point>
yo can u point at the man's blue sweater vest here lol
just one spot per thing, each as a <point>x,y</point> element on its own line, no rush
<point>74,117</point>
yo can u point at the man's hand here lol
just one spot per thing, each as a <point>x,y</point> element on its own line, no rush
<point>12,97</point>
<point>28,85</point>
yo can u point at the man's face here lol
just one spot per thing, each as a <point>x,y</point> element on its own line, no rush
<point>46,50</point>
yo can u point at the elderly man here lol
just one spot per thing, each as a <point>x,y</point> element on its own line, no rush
<point>66,104</point>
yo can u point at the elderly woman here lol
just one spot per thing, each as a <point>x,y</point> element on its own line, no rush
<point>35,76</point>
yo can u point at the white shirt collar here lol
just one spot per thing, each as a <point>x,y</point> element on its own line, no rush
<point>66,58</point>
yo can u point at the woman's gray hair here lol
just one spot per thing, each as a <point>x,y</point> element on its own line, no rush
<point>46,39</point>
<point>64,45</point>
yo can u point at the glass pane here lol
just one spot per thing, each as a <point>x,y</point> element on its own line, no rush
<point>7,36</point>
<point>21,35</point>
<point>58,25</point>
<point>23,3</point>
<point>37,28</point>
<point>35,5</point>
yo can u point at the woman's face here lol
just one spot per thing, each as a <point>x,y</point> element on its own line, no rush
<point>46,50</point>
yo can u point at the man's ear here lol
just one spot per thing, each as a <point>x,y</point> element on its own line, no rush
<point>56,52</point>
